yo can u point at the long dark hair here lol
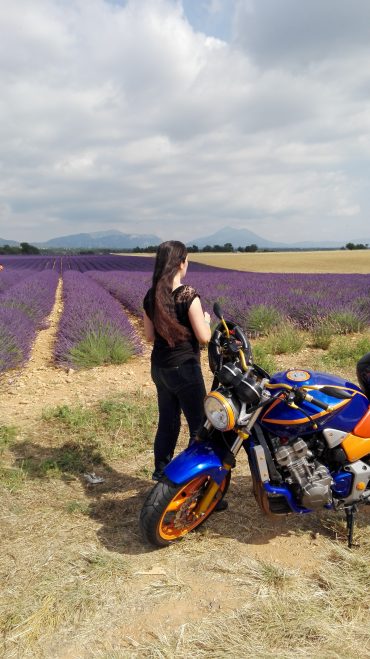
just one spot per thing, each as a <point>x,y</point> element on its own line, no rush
<point>170,255</point>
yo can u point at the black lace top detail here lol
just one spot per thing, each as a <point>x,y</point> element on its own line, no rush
<point>163,355</point>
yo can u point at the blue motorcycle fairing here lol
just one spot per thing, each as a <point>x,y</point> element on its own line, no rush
<point>199,458</point>
<point>313,378</point>
<point>345,414</point>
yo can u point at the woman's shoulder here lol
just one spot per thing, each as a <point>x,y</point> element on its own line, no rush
<point>185,293</point>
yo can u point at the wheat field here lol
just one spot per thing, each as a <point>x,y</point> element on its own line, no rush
<point>341,261</point>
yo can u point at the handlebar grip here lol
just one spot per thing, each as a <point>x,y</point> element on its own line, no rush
<point>318,403</point>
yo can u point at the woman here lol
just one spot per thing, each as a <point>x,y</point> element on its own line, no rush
<point>175,322</point>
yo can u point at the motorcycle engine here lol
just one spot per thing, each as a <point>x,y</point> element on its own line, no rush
<point>313,479</point>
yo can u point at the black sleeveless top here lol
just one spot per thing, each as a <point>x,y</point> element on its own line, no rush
<point>163,355</point>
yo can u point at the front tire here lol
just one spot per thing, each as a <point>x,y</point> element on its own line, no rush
<point>167,514</point>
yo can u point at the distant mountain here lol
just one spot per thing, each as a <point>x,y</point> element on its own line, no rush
<point>237,237</point>
<point>101,240</point>
<point>11,243</point>
<point>243,237</point>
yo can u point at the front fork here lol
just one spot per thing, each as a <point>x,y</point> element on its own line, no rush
<point>248,423</point>
<point>213,487</point>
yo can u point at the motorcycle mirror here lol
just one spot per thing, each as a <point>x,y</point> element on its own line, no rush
<point>217,310</point>
<point>261,371</point>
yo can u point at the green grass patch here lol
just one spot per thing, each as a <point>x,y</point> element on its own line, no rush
<point>262,358</point>
<point>77,508</point>
<point>117,427</point>
<point>100,347</point>
<point>345,352</point>
<point>12,478</point>
<point>262,319</point>
<point>7,436</point>
<point>72,417</point>
<point>286,339</point>
<point>70,459</point>
<point>346,322</point>
<point>322,334</point>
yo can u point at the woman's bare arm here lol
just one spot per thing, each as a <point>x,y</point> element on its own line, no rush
<point>148,328</point>
<point>200,321</point>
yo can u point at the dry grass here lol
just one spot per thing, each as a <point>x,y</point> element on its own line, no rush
<point>77,580</point>
<point>340,261</point>
<point>285,615</point>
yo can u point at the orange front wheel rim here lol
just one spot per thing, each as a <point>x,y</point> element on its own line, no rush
<point>178,518</point>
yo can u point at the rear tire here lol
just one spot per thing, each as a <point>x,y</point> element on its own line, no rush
<point>167,514</point>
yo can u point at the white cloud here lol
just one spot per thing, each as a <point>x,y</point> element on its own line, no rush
<point>122,115</point>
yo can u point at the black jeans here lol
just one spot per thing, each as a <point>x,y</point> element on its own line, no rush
<point>179,388</point>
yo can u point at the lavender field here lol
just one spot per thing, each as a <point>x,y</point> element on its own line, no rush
<point>99,290</point>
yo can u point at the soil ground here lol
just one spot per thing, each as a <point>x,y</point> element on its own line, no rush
<point>185,582</point>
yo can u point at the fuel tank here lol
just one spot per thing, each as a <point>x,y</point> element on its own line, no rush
<point>344,414</point>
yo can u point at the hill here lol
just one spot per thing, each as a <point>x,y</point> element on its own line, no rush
<point>243,237</point>
<point>102,239</point>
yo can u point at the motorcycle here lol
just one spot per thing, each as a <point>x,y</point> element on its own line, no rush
<point>306,435</point>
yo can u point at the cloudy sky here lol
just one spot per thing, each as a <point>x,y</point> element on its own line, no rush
<point>180,117</point>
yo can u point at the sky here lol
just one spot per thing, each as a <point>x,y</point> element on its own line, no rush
<point>180,117</point>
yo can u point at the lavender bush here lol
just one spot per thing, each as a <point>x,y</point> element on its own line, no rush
<point>16,333</point>
<point>94,329</point>
<point>23,311</point>
<point>34,296</point>
<point>9,278</point>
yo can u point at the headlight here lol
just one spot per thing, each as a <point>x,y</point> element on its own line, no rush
<point>221,412</point>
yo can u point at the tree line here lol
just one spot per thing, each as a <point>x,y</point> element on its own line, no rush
<point>26,248</point>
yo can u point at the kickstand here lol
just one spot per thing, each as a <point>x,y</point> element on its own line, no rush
<point>350,515</point>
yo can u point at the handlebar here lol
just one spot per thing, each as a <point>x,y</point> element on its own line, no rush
<point>228,338</point>
<point>315,401</point>
<point>297,395</point>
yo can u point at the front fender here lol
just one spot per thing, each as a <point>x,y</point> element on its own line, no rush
<point>200,457</point>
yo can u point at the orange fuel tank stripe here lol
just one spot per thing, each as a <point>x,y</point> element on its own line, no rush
<point>356,447</point>
<point>363,427</point>
<point>286,422</point>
